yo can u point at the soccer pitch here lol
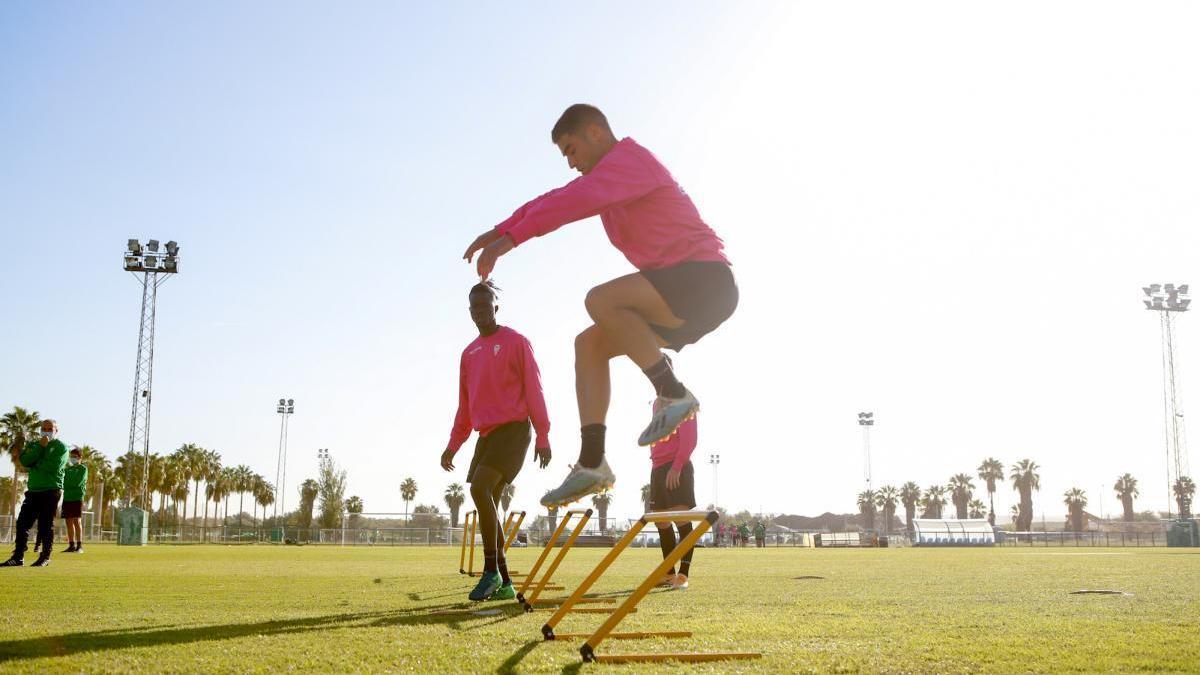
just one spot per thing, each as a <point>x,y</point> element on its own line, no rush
<point>264,608</point>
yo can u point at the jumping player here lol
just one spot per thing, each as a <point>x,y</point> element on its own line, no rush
<point>673,488</point>
<point>683,289</point>
<point>499,394</point>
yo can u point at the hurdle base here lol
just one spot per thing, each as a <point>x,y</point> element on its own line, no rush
<point>686,657</point>
<point>581,601</point>
<point>585,610</point>
<point>632,635</point>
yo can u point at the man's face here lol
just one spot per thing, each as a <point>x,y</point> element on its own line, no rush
<point>582,151</point>
<point>483,310</point>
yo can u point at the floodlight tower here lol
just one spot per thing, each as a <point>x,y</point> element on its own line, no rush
<point>285,409</point>
<point>1169,300</point>
<point>866,420</point>
<point>153,268</point>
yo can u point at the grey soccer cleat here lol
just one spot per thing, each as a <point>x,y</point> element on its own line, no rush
<point>580,483</point>
<point>669,413</point>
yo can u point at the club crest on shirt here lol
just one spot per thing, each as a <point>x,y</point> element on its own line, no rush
<point>495,350</point>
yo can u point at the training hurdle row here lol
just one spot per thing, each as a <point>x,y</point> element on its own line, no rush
<point>543,584</point>
<point>705,520</point>
<point>512,525</point>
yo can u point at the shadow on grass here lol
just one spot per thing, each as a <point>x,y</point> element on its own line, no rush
<point>135,637</point>
<point>510,664</point>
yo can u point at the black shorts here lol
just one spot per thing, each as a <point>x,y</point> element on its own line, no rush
<point>662,499</point>
<point>72,510</point>
<point>503,450</point>
<point>703,294</point>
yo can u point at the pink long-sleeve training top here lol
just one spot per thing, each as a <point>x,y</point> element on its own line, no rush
<point>498,383</point>
<point>677,449</point>
<point>647,216</point>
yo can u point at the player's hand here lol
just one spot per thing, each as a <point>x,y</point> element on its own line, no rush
<point>480,242</point>
<point>491,253</point>
<point>542,456</point>
<point>448,460</point>
<point>673,478</point>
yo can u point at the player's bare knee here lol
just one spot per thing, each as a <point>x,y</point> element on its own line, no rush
<point>598,302</point>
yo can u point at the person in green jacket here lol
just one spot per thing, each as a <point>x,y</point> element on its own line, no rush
<point>74,489</point>
<point>46,461</point>
<point>760,534</point>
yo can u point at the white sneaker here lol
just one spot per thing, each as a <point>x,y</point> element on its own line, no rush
<point>679,583</point>
<point>579,483</point>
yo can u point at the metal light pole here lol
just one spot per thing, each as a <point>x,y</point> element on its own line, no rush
<point>285,409</point>
<point>866,420</point>
<point>153,267</point>
<point>715,460</point>
<point>1169,300</point>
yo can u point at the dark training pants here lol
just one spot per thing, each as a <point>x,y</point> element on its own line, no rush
<point>40,507</point>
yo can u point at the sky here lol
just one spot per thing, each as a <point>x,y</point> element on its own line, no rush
<point>941,212</point>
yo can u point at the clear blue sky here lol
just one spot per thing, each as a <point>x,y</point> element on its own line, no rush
<point>941,213</point>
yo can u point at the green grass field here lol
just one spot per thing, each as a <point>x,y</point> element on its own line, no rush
<point>259,608</point>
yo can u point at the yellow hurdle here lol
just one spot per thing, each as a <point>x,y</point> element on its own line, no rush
<point>705,520</point>
<point>511,528</point>
<point>544,583</point>
<point>468,521</point>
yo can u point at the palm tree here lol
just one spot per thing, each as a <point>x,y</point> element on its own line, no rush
<point>506,496</point>
<point>1184,489</point>
<point>866,507</point>
<point>129,465</point>
<point>454,497</point>
<point>95,461</point>
<point>1076,500</point>
<point>308,498</point>
<point>976,508</point>
<point>354,506</point>
<point>227,477</point>
<point>1127,489</point>
<point>910,496</point>
<point>408,492</point>
<point>602,501</point>
<point>210,470</point>
<point>886,499</point>
<point>990,471</point>
<point>154,480</point>
<point>1025,480</point>
<point>961,488</point>
<point>242,481</point>
<point>1015,511</point>
<point>217,490</point>
<point>256,486</point>
<point>646,498</point>
<point>264,494</point>
<point>17,427</point>
<point>933,501</point>
<point>193,463</point>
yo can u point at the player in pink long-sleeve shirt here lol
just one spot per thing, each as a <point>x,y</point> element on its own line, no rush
<point>673,488</point>
<point>499,396</point>
<point>683,289</point>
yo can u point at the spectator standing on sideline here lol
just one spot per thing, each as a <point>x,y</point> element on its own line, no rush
<point>760,534</point>
<point>46,461</point>
<point>74,486</point>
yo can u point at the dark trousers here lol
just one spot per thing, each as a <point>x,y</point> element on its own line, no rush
<point>41,507</point>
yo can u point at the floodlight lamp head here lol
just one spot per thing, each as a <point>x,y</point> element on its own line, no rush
<point>1183,289</point>
<point>134,246</point>
<point>282,401</point>
<point>152,246</point>
<point>172,248</point>
<point>291,402</point>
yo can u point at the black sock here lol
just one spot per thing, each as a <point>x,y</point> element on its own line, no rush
<point>502,567</point>
<point>489,562</point>
<point>662,376</point>
<point>666,540</point>
<point>591,450</point>
<point>685,563</point>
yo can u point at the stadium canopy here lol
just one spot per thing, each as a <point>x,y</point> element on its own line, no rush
<point>953,532</point>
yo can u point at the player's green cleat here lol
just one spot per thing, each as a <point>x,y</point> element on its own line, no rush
<point>505,592</point>
<point>489,582</point>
